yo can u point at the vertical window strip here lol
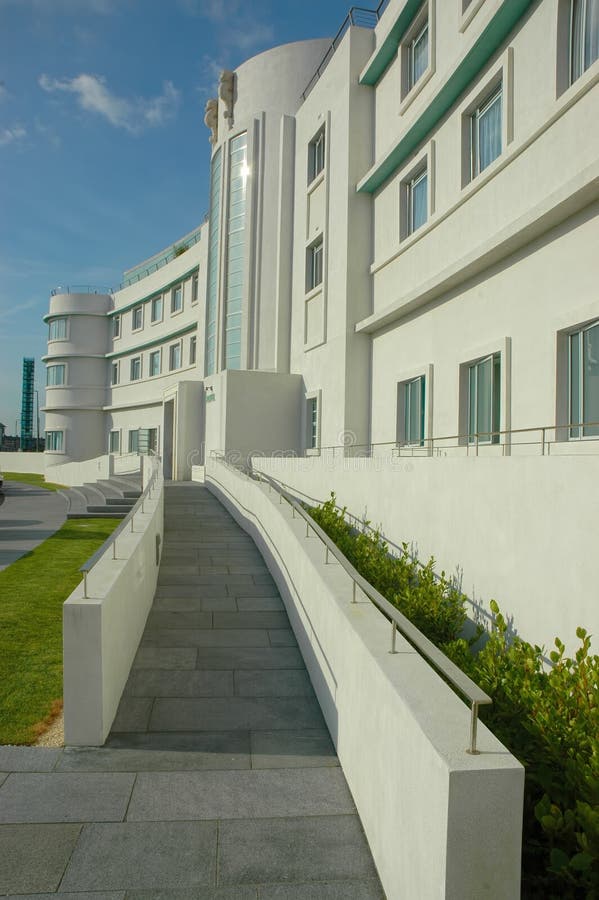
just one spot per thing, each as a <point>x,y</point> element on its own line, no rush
<point>213,260</point>
<point>584,36</point>
<point>486,141</point>
<point>484,400</point>
<point>417,201</point>
<point>238,176</point>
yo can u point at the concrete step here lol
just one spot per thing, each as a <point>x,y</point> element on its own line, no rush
<point>115,514</point>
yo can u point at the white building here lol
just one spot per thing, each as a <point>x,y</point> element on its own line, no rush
<point>400,263</point>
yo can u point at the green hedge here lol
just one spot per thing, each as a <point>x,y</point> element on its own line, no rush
<point>549,719</point>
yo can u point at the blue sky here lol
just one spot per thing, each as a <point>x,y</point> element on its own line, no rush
<point>103,151</point>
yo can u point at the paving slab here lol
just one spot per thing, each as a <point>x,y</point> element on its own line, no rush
<point>288,749</point>
<point>330,890</point>
<point>249,658</point>
<point>300,849</point>
<point>282,637</point>
<point>237,795</point>
<point>33,857</point>
<point>282,683</point>
<point>165,658</point>
<point>55,797</point>
<point>28,759</point>
<point>134,855</point>
<point>256,604</point>
<point>179,619</point>
<point>133,714</point>
<point>251,619</point>
<point>211,893</point>
<point>232,713</point>
<point>157,752</point>
<point>75,895</point>
<point>174,683</point>
<point>205,637</point>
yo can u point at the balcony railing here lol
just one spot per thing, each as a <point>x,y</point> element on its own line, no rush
<point>359,16</point>
<point>80,289</point>
<point>161,259</point>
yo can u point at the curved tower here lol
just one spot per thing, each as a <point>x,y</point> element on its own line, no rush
<point>76,375</point>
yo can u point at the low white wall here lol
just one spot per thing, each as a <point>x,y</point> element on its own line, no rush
<point>71,473</point>
<point>440,822</point>
<point>521,530</point>
<point>101,634</point>
<point>22,462</point>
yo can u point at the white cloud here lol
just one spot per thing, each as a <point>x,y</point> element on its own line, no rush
<point>236,25</point>
<point>131,114</point>
<point>10,135</point>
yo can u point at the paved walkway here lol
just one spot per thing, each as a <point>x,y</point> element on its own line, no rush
<point>28,515</point>
<point>219,780</point>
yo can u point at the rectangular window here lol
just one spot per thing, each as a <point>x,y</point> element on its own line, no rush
<point>156,313</point>
<point>137,318</point>
<point>314,265</point>
<point>486,126</point>
<point>484,400</point>
<point>135,368</point>
<point>584,382</point>
<point>192,350</point>
<point>413,411</point>
<point>57,330</point>
<point>312,423</point>
<point>54,441</point>
<point>584,36</point>
<point>194,289</point>
<point>116,327</point>
<point>418,55</point>
<point>155,361</point>
<point>114,442</point>
<point>177,299</point>
<point>134,441</point>
<point>316,150</point>
<point>174,357</point>
<point>417,201</point>
<point>55,375</point>
<point>114,373</point>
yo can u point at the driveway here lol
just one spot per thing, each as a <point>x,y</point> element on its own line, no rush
<point>28,515</point>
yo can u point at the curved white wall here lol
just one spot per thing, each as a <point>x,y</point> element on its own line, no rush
<point>76,407</point>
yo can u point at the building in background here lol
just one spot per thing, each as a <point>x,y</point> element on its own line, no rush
<point>399,265</point>
<point>27,397</point>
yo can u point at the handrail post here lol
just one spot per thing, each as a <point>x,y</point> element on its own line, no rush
<point>85,586</point>
<point>353,599</point>
<point>307,529</point>
<point>473,726</point>
<point>393,637</point>
<point>542,442</point>
<point>326,555</point>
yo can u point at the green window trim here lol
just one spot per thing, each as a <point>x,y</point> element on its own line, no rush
<point>153,343</point>
<point>385,54</point>
<point>161,290</point>
<point>466,72</point>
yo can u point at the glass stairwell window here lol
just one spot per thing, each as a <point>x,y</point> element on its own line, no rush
<point>486,125</point>
<point>484,400</point>
<point>584,382</point>
<point>584,36</point>
<point>236,251</point>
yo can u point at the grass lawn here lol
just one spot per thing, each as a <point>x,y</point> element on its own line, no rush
<point>32,591</point>
<point>31,478</point>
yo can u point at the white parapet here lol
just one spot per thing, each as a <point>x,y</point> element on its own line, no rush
<point>441,823</point>
<point>18,461</point>
<point>101,632</point>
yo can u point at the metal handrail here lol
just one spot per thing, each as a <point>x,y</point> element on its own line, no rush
<point>164,258</point>
<point>357,15</point>
<point>473,439</point>
<point>146,494</point>
<point>80,289</point>
<point>468,688</point>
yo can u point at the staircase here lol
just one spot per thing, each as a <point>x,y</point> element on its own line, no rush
<point>107,498</point>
